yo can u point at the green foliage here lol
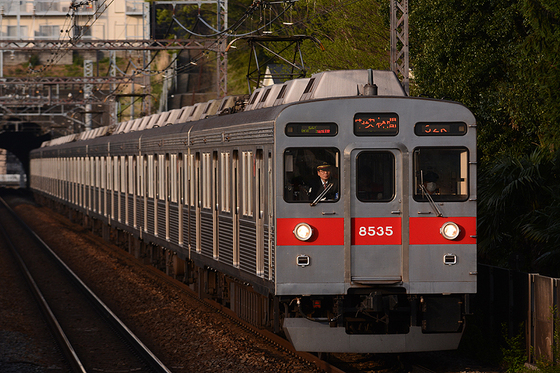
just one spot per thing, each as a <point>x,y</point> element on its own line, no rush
<point>519,211</point>
<point>34,60</point>
<point>552,366</point>
<point>78,59</point>
<point>355,34</point>
<point>514,356</point>
<point>189,16</point>
<point>501,59</point>
<point>540,58</point>
<point>73,70</point>
<point>498,57</point>
<point>467,51</point>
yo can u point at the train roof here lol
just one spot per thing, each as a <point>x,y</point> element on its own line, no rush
<point>327,84</point>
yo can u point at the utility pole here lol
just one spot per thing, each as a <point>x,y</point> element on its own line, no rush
<point>221,50</point>
<point>399,41</point>
<point>88,91</point>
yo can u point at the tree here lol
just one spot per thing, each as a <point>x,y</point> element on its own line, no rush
<point>466,51</point>
<point>500,59</point>
<point>539,67</point>
<point>519,206</point>
<point>354,33</point>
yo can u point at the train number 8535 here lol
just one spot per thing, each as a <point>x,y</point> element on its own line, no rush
<point>375,231</point>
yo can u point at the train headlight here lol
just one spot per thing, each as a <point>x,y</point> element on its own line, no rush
<point>303,231</point>
<point>450,230</point>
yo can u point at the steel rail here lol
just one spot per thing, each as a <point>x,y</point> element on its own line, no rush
<point>67,350</point>
<point>142,350</point>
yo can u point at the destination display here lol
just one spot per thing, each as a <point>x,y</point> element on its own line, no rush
<point>376,124</point>
<point>311,129</point>
<point>440,128</point>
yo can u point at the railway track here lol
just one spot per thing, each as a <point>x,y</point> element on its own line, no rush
<point>122,263</point>
<point>88,333</point>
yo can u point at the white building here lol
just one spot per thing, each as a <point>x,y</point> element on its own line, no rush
<point>63,20</point>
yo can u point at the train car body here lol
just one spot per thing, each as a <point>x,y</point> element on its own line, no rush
<point>383,260</point>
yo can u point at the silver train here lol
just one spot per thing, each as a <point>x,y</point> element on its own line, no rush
<point>228,195</point>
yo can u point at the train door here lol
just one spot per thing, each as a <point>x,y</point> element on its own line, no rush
<point>88,183</point>
<point>207,210</point>
<point>163,197</point>
<point>168,191</point>
<point>260,203</point>
<point>133,191</point>
<point>110,188</point>
<point>142,172</point>
<point>180,197</point>
<point>157,191</point>
<point>146,187</point>
<point>235,203</point>
<point>117,188</point>
<point>136,190</point>
<point>150,213</point>
<point>104,186</point>
<point>197,197</point>
<point>124,189</point>
<point>377,215</point>
<point>270,217</point>
<point>97,185</point>
<point>191,202</point>
<point>215,210</point>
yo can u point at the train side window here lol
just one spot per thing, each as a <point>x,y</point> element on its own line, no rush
<point>225,175</point>
<point>116,173</point>
<point>103,172</point>
<point>124,173</point>
<point>161,177</point>
<point>131,175</point>
<point>302,179</point>
<point>442,173</point>
<point>150,178</point>
<point>192,181</point>
<point>173,175</point>
<point>141,176</point>
<point>206,180</point>
<point>109,173</point>
<point>97,172</point>
<point>375,176</point>
<point>247,170</point>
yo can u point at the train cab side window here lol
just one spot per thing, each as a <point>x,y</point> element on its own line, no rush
<point>441,173</point>
<point>307,171</point>
<point>375,176</point>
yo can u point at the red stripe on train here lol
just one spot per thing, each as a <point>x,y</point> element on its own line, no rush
<point>326,231</point>
<point>426,231</point>
<point>376,231</point>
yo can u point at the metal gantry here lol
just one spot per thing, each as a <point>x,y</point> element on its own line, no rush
<point>38,93</point>
<point>399,42</point>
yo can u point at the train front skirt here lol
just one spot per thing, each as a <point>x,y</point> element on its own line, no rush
<point>307,335</point>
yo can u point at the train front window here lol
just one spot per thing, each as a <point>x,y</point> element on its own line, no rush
<point>441,173</point>
<point>375,176</point>
<point>311,174</point>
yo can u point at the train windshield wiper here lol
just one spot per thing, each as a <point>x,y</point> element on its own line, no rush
<point>321,195</point>
<point>426,194</point>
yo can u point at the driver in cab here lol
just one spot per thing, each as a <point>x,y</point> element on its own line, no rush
<point>323,182</point>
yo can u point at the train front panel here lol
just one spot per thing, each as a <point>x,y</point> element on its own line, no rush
<point>375,223</point>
